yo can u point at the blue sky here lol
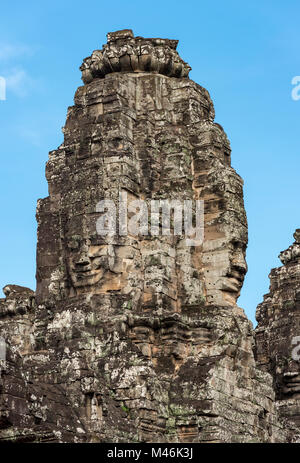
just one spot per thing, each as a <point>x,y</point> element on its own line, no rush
<point>244,53</point>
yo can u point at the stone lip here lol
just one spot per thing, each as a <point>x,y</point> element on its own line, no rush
<point>126,53</point>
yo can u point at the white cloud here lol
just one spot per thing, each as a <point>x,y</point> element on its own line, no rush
<point>10,51</point>
<point>18,81</point>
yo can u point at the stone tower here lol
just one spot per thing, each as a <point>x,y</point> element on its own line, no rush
<point>136,337</point>
<point>278,332</point>
<point>141,127</point>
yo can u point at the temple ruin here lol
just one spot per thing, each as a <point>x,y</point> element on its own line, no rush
<point>139,338</point>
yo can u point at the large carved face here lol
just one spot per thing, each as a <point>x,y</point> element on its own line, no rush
<point>238,267</point>
<point>288,373</point>
<point>86,262</point>
<point>291,380</point>
<point>231,283</point>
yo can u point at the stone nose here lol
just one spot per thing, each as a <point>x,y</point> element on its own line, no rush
<point>239,264</point>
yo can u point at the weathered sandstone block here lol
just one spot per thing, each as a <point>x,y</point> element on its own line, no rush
<point>136,337</point>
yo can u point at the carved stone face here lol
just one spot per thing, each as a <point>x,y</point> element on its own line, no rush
<point>290,376</point>
<point>238,267</point>
<point>293,252</point>
<point>291,387</point>
<point>232,282</point>
<point>86,263</point>
<point>286,256</point>
<point>225,271</point>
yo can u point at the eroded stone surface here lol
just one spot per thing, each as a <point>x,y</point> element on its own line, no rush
<point>278,331</point>
<point>136,338</point>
